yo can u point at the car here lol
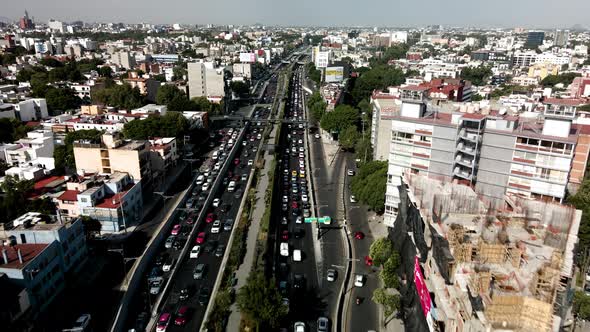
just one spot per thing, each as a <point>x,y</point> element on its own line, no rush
<point>216,227</point>
<point>250,162</point>
<point>359,235</point>
<point>168,264</point>
<point>284,249</point>
<point>175,229</point>
<point>217,166</point>
<point>210,217</point>
<point>82,322</point>
<point>297,255</point>
<point>298,281</point>
<point>219,251</point>
<point>163,322</point>
<point>285,235</point>
<point>353,199</point>
<point>204,295</point>
<point>201,238</point>
<point>181,315</point>
<point>185,293</point>
<point>331,275</point>
<point>216,202</point>
<point>284,207</point>
<point>199,271</point>
<point>285,198</point>
<point>304,198</point>
<point>298,220</point>
<point>156,285</point>
<point>300,141</point>
<point>299,327</point>
<point>205,186</point>
<point>228,225</point>
<point>306,213</point>
<point>359,280</point>
<point>368,261</point>
<point>178,244</point>
<point>294,205</point>
<point>301,149</point>
<point>169,242</point>
<point>323,324</point>
<point>237,161</point>
<point>350,172</point>
<point>195,251</point>
<point>317,136</point>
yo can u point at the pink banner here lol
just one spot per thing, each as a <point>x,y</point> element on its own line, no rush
<point>421,288</point>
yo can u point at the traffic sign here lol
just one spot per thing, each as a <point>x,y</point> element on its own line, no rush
<point>325,220</point>
<point>310,220</point>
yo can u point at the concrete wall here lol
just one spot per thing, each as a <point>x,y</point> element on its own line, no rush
<point>87,159</point>
<point>196,80</point>
<point>125,161</point>
<point>382,140</point>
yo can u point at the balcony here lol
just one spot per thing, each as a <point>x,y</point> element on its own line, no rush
<point>464,160</point>
<point>467,148</point>
<point>463,173</point>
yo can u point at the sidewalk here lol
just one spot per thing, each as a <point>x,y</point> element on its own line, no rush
<point>257,213</point>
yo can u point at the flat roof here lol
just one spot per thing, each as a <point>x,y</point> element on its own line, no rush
<point>28,252</point>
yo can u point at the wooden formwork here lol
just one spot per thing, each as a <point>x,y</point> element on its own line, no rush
<point>520,313</point>
<point>491,253</point>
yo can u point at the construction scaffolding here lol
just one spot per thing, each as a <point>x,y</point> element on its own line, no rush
<point>520,314</point>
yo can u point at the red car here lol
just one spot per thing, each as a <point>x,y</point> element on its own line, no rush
<point>181,315</point>
<point>176,229</point>
<point>201,238</point>
<point>285,235</point>
<point>190,219</point>
<point>359,235</point>
<point>294,205</point>
<point>368,260</point>
<point>237,161</point>
<point>210,217</point>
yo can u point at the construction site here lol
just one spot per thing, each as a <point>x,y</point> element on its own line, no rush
<point>488,265</point>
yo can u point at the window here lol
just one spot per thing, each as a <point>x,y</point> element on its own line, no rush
<point>426,139</point>
<point>23,238</point>
<point>83,200</point>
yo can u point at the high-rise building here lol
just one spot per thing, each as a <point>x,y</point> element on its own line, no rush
<point>205,81</point>
<point>25,22</point>
<point>561,37</point>
<point>535,38</point>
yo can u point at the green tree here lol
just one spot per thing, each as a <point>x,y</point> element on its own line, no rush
<point>477,75</point>
<point>260,301</point>
<point>14,202</point>
<point>12,130</point>
<point>120,96</point>
<point>167,93</point>
<point>565,79</point>
<point>380,251</point>
<point>377,78</point>
<point>51,62</point>
<point>313,73</point>
<point>172,124</point>
<point>62,99</point>
<point>389,272</point>
<point>342,117</point>
<point>364,149</point>
<point>91,226</point>
<point>240,88</point>
<point>348,138</point>
<point>105,71</point>
<point>370,183</point>
<point>391,302</point>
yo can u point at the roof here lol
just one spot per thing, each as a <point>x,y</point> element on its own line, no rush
<point>114,201</point>
<point>49,182</point>
<point>565,102</point>
<point>415,88</point>
<point>28,252</point>
<point>69,195</point>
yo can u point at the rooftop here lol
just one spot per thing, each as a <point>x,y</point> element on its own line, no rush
<point>28,253</point>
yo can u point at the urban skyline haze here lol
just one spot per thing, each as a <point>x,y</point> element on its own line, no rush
<point>502,13</point>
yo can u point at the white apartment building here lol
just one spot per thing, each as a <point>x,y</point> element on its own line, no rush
<point>204,80</point>
<point>34,150</point>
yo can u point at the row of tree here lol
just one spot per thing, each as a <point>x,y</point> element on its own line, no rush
<point>477,75</point>
<point>177,101</point>
<point>370,183</point>
<point>387,258</point>
<point>565,79</point>
<point>313,73</point>
<point>261,302</point>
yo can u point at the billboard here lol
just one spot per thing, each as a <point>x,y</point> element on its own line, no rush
<point>423,293</point>
<point>247,57</point>
<point>334,74</point>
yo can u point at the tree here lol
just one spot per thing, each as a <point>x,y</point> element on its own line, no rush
<point>565,79</point>
<point>105,71</point>
<point>477,75</point>
<point>14,201</point>
<point>240,88</point>
<point>379,77</point>
<point>348,138</point>
<point>166,93</point>
<point>12,130</point>
<point>370,184</point>
<point>260,301</point>
<point>62,99</point>
<point>313,73</point>
<point>120,96</point>
<point>91,226</point>
<point>380,250</point>
<point>51,62</point>
<point>342,117</point>
<point>172,124</point>
<point>389,272</point>
<point>390,302</point>
<point>364,149</point>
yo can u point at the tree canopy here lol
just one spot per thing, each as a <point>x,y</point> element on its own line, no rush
<point>12,130</point>
<point>379,77</point>
<point>390,302</point>
<point>477,75</point>
<point>172,124</point>
<point>260,301</point>
<point>380,251</point>
<point>370,183</point>
<point>316,105</point>
<point>14,202</point>
<point>313,73</point>
<point>120,96</point>
<point>389,272</point>
<point>62,99</point>
<point>348,138</point>
<point>240,88</point>
<point>565,79</point>
<point>342,117</point>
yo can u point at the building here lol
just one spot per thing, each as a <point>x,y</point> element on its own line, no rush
<point>384,105</point>
<point>523,59</point>
<point>165,154</point>
<point>56,26</point>
<point>243,70</point>
<point>483,268</point>
<point>34,109</point>
<point>322,59</point>
<point>205,81</point>
<point>113,154</point>
<point>34,150</point>
<point>542,70</point>
<point>25,22</point>
<point>494,152</point>
<point>114,200</point>
<point>41,255</point>
<point>535,38</point>
<point>561,37</point>
<point>124,59</point>
<point>148,87</point>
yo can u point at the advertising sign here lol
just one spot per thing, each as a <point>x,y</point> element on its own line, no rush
<point>247,57</point>
<point>334,74</point>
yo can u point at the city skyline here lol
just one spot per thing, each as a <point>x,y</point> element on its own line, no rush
<point>526,13</point>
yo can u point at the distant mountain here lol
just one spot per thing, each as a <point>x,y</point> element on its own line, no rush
<point>578,27</point>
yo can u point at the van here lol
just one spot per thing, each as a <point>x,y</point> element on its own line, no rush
<point>200,180</point>
<point>231,186</point>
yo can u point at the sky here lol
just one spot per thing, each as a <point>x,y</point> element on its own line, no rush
<point>501,13</point>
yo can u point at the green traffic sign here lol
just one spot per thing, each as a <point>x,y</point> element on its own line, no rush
<point>325,220</point>
<point>310,220</point>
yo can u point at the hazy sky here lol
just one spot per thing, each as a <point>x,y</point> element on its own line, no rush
<point>508,13</point>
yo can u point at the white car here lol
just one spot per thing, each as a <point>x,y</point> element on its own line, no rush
<point>205,186</point>
<point>195,251</point>
<point>216,227</point>
<point>166,267</point>
<point>300,141</point>
<point>304,198</point>
<point>284,249</point>
<point>317,136</point>
<point>299,220</point>
<point>301,149</point>
<point>353,199</point>
<point>217,166</point>
<point>82,322</point>
<point>297,255</point>
<point>350,172</point>
<point>299,327</point>
<point>331,276</point>
<point>359,280</point>
<point>250,162</point>
<point>216,202</point>
<point>285,199</point>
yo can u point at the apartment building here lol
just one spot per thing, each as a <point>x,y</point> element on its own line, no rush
<point>40,255</point>
<point>493,152</point>
<point>113,154</point>
<point>165,154</point>
<point>384,105</point>
<point>124,59</point>
<point>148,87</point>
<point>205,81</point>
<point>114,200</point>
<point>34,150</point>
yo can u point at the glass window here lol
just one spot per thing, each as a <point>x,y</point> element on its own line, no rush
<point>532,141</point>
